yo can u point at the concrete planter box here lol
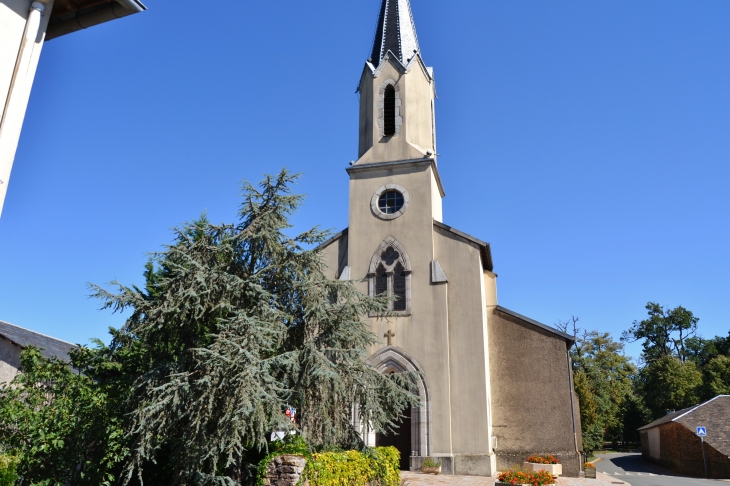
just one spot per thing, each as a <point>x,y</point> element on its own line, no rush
<point>554,469</point>
<point>431,470</point>
<point>591,472</point>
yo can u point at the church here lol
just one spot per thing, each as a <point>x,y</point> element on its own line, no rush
<point>495,386</point>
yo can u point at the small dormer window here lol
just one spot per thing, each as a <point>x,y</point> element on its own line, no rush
<point>389,111</point>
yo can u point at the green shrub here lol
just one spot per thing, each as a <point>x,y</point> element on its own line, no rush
<point>379,466</point>
<point>8,470</point>
<point>428,462</point>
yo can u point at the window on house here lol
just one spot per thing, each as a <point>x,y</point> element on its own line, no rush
<point>389,111</point>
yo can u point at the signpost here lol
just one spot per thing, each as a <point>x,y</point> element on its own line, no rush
<point>702,433</point>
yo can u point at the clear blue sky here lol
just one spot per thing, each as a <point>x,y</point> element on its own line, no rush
<point>587,141</point>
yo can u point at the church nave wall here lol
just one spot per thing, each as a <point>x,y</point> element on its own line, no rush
<point>531,393</point>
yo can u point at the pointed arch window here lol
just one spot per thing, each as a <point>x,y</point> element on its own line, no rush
<point>389,111</point>
<point>381,281</point>
<point>399,288</point>
<point>390,274</point>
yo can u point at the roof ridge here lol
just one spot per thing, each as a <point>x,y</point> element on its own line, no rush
<point>692,409</point>
<point>37,333</point>
<point>538,324</point>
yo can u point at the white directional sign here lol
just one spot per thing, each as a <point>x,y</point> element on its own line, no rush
<point>702,431</point>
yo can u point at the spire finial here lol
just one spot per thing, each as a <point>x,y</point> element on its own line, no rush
<point>396,32</point>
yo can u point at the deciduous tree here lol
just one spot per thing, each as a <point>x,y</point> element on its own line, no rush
<point>670,384</point>
<point>717,377</point>
<point>664,333</point>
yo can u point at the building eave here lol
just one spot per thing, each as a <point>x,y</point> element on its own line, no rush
<point>329,241</point>
<point>25,337</point>
<point>674,416</point>
<point>484,248</point>
<point>70,16</point>
<point>568,338</point>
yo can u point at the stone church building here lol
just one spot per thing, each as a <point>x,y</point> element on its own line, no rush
<point>495,386</point>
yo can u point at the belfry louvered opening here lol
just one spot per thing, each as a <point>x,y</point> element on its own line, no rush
<point>389,111</point>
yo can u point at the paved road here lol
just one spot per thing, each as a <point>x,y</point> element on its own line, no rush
<point>633,470</point>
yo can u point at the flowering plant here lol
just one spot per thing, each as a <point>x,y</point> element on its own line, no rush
<point>548,459</point>
<point>589,465</point>
<point>518,476</point>
<point>514,476</point>
<point>540,478</point>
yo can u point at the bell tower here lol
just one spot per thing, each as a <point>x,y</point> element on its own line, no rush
<point>397,92</point>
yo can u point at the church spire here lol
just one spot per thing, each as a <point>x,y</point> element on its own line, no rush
<point>396,32</point>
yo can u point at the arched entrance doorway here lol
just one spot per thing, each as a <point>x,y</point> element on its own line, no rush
<point>400,438</point>
<point>412,436</point>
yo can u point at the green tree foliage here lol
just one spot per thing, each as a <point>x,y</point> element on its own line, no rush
<point>591,425</point>
<point>633,414</point>
<point>717,377</point>
<point>604,382</point>
<point>702,351</point>
<point>235,323</point>
<point>682,368</point>
<point>609,373</point>
<point>665,333</point>
<point>61,422</point>
<point>670,384</point>
<point>8,470</point>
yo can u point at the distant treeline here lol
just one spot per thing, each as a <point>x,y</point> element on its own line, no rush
<point>677,369</point>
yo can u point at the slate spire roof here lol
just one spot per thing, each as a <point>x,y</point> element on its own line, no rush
<point>396,32</point>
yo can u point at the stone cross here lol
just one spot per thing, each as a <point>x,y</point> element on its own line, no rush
<point>390,335</point>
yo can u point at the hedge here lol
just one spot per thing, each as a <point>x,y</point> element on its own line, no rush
<point>8,468</point>
<point>379,466</point>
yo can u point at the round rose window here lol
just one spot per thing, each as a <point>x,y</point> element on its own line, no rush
<point>390,202</point>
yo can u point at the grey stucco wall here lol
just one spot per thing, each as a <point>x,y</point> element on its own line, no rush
<point>460,261</point>
<point>531,394</point>
<point>334,256</point>
<point>9,360</point>
<point>445,333</point>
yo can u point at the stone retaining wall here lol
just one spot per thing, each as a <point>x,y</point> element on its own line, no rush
<point>284,471</point>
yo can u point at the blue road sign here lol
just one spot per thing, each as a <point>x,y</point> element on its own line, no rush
<point>702,431</point>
